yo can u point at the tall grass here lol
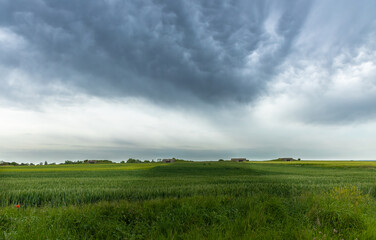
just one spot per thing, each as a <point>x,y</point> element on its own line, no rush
<point>220,200</point>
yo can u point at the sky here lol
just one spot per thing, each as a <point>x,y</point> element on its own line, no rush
<point>198,80</point>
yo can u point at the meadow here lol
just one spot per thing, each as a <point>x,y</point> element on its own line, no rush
<point>190,200</point>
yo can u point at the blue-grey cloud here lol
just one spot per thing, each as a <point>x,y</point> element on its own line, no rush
<point>170,51</point>
<point>193,52</point>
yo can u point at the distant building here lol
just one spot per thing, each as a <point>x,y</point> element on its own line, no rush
<point>92,161</point>
<point>168,160</point>
<point>286,159</point>
<point>238,159</point>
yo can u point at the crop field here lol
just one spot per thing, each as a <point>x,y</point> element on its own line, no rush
<point>190,200</point>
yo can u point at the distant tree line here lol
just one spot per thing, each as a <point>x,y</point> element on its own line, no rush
<point>133,160</point>
<point>2,163</point>
<point>87,161</point>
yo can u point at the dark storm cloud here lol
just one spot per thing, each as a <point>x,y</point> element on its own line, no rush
<point>189,52</point>
<point>207,50</point>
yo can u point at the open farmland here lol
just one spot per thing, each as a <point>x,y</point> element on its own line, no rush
<point>191,200</point>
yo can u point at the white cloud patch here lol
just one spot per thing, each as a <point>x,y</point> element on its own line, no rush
<point>10,41</point>
<point>310,91</point>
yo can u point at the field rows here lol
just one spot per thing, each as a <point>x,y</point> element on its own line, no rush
<point>190,200</point>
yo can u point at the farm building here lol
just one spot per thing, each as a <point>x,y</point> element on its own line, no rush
<point>238,159</point>
<point>168,160</point>
<point>92,161</point>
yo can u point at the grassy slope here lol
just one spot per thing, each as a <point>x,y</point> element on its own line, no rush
<point>221,200</point>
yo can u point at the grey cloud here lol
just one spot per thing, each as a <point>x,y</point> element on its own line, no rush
<point>161,50</point>
<point>188,52</point>
<point>343,93</point>
<point>330,74</point>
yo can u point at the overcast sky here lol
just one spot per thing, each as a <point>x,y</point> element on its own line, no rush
<point>198,80</point>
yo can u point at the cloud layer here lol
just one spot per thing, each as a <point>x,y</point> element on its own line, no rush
<point>163,50</point>
<point>237,73</point>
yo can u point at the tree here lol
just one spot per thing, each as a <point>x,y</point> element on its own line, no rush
<point>45,163</point>
<point>132,160</point>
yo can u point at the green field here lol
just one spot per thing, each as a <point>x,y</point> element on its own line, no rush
<point>190,200</point>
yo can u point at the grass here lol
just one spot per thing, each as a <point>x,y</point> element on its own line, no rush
<point>196,200</point>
